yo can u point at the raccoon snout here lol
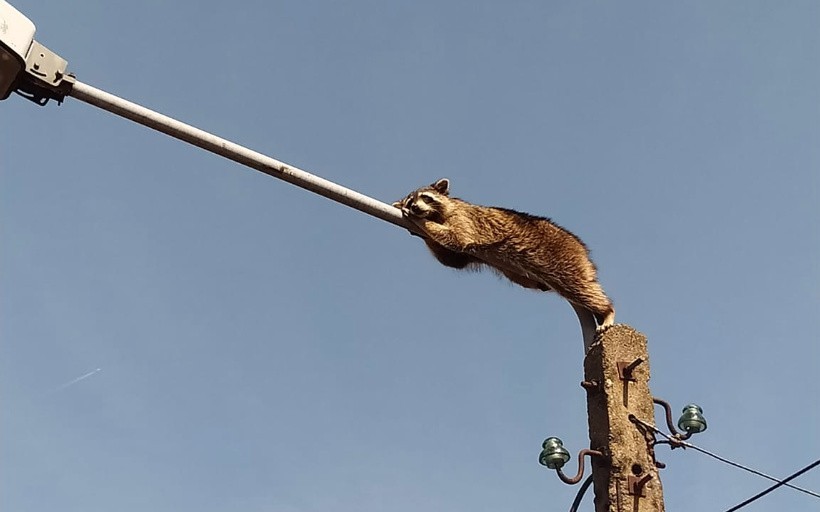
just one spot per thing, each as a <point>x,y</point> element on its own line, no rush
<point>417,210</point>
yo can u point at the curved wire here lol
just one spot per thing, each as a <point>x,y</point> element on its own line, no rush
<point>578,497</point>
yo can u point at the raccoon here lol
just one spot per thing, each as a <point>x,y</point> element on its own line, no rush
<point>530,251</point>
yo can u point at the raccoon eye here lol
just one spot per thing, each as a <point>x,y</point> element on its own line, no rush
<point>427,199</point>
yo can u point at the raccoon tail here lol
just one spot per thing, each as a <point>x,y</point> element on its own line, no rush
<point>588,326</point>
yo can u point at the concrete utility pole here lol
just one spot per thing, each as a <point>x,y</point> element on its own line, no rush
<point>616,369</point>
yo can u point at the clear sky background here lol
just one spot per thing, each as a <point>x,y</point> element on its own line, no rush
<point>265,349</point>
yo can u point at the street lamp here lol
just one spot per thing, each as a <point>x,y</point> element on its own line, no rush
<point>16,36</point>
<point>26,66</point>
<point>38,74</point>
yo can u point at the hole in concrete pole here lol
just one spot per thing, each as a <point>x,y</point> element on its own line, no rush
<point>637,469</point>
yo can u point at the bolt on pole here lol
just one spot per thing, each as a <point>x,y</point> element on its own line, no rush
<point>616,370</point>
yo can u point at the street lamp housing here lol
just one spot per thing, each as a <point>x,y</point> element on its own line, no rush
<point>16,38</point>
<point>26,66</point>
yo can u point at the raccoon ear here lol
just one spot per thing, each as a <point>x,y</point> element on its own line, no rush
<point>442,186</point>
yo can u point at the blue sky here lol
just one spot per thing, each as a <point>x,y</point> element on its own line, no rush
<point>264,349</point>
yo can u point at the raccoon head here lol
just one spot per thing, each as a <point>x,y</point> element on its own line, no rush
<point>426,202</point>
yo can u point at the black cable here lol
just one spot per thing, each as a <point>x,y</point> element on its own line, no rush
<point>672,441</point>
<point>578,497</point>
<point>746,468</point>
<point>775,486</point>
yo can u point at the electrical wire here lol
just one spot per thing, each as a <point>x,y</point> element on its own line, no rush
<point>775,486</point>
<point>578,497</point>
<point>750,470</point>
<point>687,444</point>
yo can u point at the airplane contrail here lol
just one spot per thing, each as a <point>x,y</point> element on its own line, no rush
<point>74,381</point>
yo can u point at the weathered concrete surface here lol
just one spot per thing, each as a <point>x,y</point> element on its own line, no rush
<point>610,430</point>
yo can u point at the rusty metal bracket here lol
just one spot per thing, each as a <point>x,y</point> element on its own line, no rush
<point>677,437</point>
<point>635,484</point>
<point>625,373</point>
<point>577,478</point>
<point>625,369</point>
<point>593,386</point>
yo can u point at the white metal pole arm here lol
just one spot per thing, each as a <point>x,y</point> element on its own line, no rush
<point>267,165</point>
<point>237,153</point>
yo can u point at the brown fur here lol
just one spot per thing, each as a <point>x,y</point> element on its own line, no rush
<point>531,251</point>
